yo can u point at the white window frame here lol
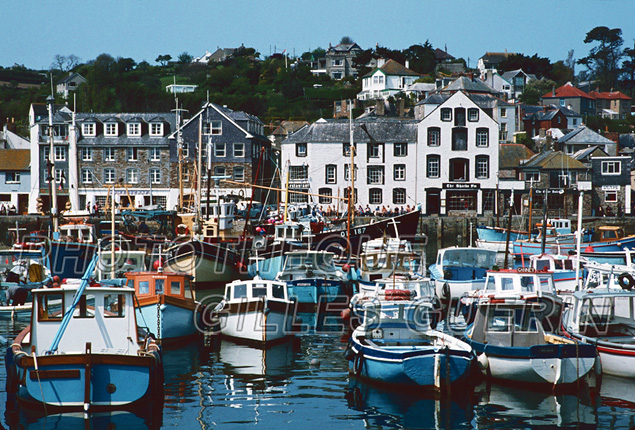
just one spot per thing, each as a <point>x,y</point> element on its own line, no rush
<point>109,154</point>
<point>220,171</point>
<point>111,129</point>
<point>16,178</point>
<point>482,137</point>
<point>238,174</point>
<point>134,129</point>
<point>503,112</point>
<point>470,116</point>
<point>109,175</point>
<point>87,154</point>
<point>330,176</point>
<point>434,136</point>
<point>216,127</point>
<point>400,149</point>
<point>611,167</point>
<point>89,129</point>
<point>155,175</point>
<point>347,167</point>
<point>132,176</point>
<point>220,149</point>
<point>446,118</point>
<point>132,153</point>
<point>156,129</point>
<point>60,153</point>
<point>482,167</point>
<point>239,149</point>
<point>610,196</point>
<point>87,176</point>
<point>376,175</point>
<point>397,191</point>
<point>399,172</point>
<point>430,168</point>
<point>375,196</point>
<point>155,154</point>
<point>58,176</point>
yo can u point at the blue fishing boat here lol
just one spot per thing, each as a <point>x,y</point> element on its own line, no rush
<point>83,351</point>
<point>396,345</point>
<point>460,270</point>
<point>511,344</point>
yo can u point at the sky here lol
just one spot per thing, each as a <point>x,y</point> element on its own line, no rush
<point>34,31</point>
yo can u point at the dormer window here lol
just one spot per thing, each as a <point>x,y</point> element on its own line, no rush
<point>156,129</point>
<point>111,129</point>
<point>89,129</point>
<point>134,129</point>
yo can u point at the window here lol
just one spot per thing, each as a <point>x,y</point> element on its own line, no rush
<point>46,152</point>
<point>185,150</point>
<point>60,153</point>
<point>155,175</point>
<point>610,196</point>
<point>49,307</point>
<point>12,177</point>
<point>134,129</point>
<point>532,176</point>
<point>88,129</point>
<point>433,166</point>
<point>461,201</point>
<point>132,176</point>
<point>482,166</point>
<point>337,75</point>
<point>337,61</point>
<point>347,191</point>
<point>346,150</point>
<point>574,121</point>
<point>459,139</point>
<point>434,136</point>
<point>156,129</point>
<point>109,176</point>
<point>109,154</point>
<point>472,114</point>
<point>482,137</point>
<point>239,149</point>
<point>300,149</point>
<point>159,286</point>
<point>87,154</point>
<point>239,174</point>
<point>446,114</point>
<point>562,102</point>
<point>399,196</point>
<point>503,132</point>
<point>298,172</point>
<point>459,170</point>
<point>219,171</point>
<point>375,175</point>
<point>111,129</point>
<point>400,172</point>
<point>87,177</point>
<point>611,168</point>
<point>155,154</point>
<point>373,150</point>
<point>131,154</point>
<point>325,192</point>
<point>401,149</point>
<point>503,113</point>
<point>347,176</point>
<point>374,196</point>
<point>330,176</point>
<point>459,117</point>
<point>59,176</point>
<point>219,149</point>
<point>114,305</point>
<point>216,127</point>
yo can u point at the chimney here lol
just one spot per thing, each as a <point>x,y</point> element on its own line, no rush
<point>407,64</point>
<point>553,91</point>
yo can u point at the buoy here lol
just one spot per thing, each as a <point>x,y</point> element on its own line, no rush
<point>345,314</point>
<point>589,249</point>
<point>157,263</point>
<point>315,362</point>
<point>346,268</point>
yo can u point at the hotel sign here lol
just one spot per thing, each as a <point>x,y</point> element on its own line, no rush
<point>549,191</point>
<point>461,186</point>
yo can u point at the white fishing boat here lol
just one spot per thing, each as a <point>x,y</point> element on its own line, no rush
<point>256,311</point>
<point>460,270</point>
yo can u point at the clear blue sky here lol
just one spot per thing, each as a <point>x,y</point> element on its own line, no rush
<point>34,31</point>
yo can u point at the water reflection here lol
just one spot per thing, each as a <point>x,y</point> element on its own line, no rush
<point>384,407</point>
<point>503,406</point>
<point>616,408</point>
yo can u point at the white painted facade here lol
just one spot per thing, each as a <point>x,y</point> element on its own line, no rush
<point>466,171</point>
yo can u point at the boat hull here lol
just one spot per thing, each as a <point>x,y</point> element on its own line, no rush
<point>169,318</point>
<point>70,381</point>
<point>524,249</point>
<point>540,364</point>
<point>312,292</point>
<point>207,263</point>
<point>260,322</point>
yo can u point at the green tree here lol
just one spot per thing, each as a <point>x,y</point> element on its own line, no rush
<point>346,40</point>
<point>421,58</point>
<point>604,59</point>
<point>185,58</point>
<point>535,65</point>
<point>163,59</point>
<point>535,89</point>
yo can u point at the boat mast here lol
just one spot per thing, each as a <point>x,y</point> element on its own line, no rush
<point>509,227</point>
<point>179,145</point>
<point>351,171</point>
<point>531,200</point>
<point>51,166</point>
<point>579,243</point>
<point>199,182</point>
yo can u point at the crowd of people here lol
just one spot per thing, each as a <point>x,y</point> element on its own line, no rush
<point>8,209</point>
<point>383,211</point>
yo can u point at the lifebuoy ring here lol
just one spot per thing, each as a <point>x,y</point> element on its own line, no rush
<point>626,281</point>
<point>182,230</point>
<point>445,291</point>
<point>358,363</point>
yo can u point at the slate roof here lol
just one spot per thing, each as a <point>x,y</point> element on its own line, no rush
<point>344,47</point>
<point>365,130</point>
<point>442,55</point>
<point>287,127</point>
<point>468,85</point>
<point>101,140</point>
<point>495,58</point>
<point>393,68</point>
<point>510,74</point>
<point>583,154</point>
<point>15,159</point>
<point>568,91</point>
<point>584,135</point>
<point>553,160</point>
<point>71,77</point>
<point>484,101</point>
<point>61,113</point>
<point>627,140</point>
<point>511,154</point>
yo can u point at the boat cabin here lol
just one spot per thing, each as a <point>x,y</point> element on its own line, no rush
<point>78,232</point>
<point>222,214</point>
<point>100,313</point>
<point>397,320</point>
<point>605,313</point>
<point>521,282</point>
<point>125,261</point>
<point>557,225</point>
<point>465,263</point>
<point>148,285</point>
<point>303,264</point>
<point>239,291</point>
<point>379,264</point>
<point>508,325</point>
<point>288,232</point>
<point>553,262</point>
<point>609,233</point>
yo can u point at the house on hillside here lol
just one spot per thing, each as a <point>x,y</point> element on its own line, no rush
<point>491,60</point>
<point>69,83</point>
<point>613,105</point>
<point>386,81</point>
<point>583,137</point>
<point>518,80</point>
<point>15,179</point>
<point>612,183</point>
<point>570,97</point>
<point>544,119</point>
<point>339,60</point>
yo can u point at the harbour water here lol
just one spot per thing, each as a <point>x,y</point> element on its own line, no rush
<point>305,384</point>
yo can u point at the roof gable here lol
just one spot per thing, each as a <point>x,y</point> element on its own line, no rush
<point>568,90</point>
<point>15,159</point>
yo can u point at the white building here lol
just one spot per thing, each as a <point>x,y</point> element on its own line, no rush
<point>318,159</point>
<point>387,80</point>
<point>458,157</point>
